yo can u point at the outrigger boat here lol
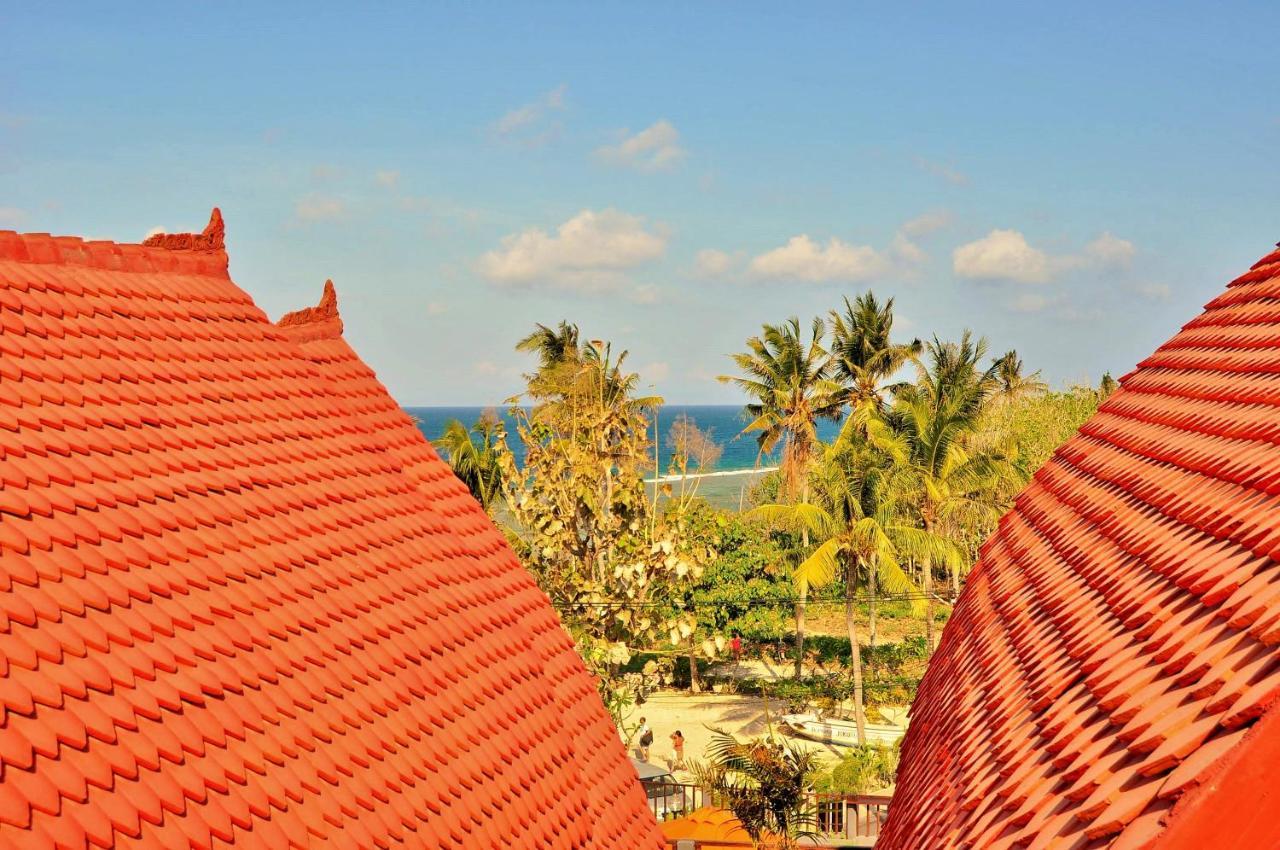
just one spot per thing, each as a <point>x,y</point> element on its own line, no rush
<point>842,733</point>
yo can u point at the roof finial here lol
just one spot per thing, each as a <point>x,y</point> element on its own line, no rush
<point>211,239</point>
<point>323,315</point>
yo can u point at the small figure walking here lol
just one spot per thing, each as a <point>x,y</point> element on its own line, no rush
<point>736,646</point>
<point>646,740</point>
<point>677,744</point>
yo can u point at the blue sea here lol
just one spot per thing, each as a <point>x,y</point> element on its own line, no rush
<point>725,422</point>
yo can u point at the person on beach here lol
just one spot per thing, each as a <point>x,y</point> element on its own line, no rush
<point>646,740</point>
<point>677,744</point>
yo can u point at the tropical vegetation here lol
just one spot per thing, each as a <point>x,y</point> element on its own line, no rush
<point>932,440</point>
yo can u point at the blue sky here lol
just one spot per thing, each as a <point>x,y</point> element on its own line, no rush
<point>1073,182</point>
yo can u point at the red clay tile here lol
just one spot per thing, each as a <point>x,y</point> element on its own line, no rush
<point>1123,620</point>
<point>243,602</point>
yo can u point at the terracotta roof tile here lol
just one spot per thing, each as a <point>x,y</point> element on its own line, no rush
<point>243,602</point>
<point>1122,620</point>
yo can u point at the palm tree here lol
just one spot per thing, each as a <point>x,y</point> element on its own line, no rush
<point>1012,384</point>
<point>863,539</point>
<point>790,384</point>
<point>553,346</point>
<point>863,352</point>
<point>930,432</point>
<point>764,782</point>
<point>473,454</point>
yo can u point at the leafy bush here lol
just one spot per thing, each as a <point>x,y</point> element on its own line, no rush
<point>861,770</point>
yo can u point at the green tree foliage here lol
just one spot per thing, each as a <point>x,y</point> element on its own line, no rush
<point>473,454</point>
<point>861,770</point>
<point>585,526</point>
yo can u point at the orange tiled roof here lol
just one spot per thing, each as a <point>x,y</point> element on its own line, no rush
<point>1116,642</point>
<point>243,602</point>
<point>709,826</point>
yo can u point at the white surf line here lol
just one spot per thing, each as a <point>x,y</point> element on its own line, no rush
<point>671,479</point>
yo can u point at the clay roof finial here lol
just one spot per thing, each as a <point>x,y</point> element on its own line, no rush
<point>320,321</point>
<point>212,238</point>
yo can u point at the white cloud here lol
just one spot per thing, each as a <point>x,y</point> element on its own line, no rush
<point>533,124</point>
<point>904,251</point>
<point>155,231</point>
<point>1001,255</point>
<point>12,217</point>
<point>1006,255</point>
<point>319,208</point>
<point>484,367</point>
<point>926,223</point>
<point>655,148</point>
<point>806,260</point>
<point>711,262</point>
<point>942,171</point>
<point>1110,251</point>
<point>1154,291</point>
<point>587,253</point>
<point>387,178</point>
<point>436,308</point>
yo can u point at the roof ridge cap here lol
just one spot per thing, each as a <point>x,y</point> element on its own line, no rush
<point>202,254</point>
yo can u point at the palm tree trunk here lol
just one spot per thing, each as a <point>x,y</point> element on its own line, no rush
<point>927,585</point>
<point>800,603</point>
<point>855,652</point>
<point>871,605</point>
<point>800,606</point>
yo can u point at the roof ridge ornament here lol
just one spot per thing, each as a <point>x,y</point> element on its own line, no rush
<point>323,319</point>
<point>212,238</point>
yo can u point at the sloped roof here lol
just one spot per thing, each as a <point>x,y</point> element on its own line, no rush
<point>710,826</point>
<point>1116,642</point>
<point>243,602</point>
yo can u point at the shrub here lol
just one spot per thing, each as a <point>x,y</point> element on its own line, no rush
<point>861,770</point>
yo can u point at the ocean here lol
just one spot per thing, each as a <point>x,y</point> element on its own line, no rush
<point>724,486</point>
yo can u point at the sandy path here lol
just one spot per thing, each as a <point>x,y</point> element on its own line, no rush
<point>739,715</point>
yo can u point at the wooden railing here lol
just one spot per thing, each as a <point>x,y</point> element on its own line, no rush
<point>850,816</point>
<point>850,819</point>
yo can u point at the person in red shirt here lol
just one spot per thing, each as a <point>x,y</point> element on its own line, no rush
<point>736,646</point>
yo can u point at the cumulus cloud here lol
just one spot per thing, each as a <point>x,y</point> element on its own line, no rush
<point>655,148</point>
<point>387,179</point>
<point>533,124</point>
<point>1110,251</point>
<point>711,262</point>
<point>588,253</point>
<point>1006,255</point>
<point>806,260</point>
<point>319,208</point>
<point>1001,255</point>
